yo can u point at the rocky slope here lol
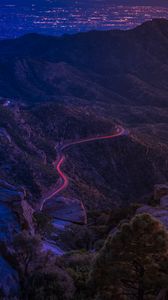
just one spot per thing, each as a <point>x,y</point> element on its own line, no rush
<point>159,209</point>
<point>61,89</point>
<point>114,66</point>
<point>102,174</point>
<point>55,89</point>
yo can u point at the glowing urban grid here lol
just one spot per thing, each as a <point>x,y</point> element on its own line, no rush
<point>54,19</point>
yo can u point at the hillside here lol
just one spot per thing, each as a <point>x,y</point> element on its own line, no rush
<point>75,86</point>
<point>55,91</point>
<point>116,66</point>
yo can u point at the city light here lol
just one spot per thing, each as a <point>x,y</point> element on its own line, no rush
<point>56,20</point>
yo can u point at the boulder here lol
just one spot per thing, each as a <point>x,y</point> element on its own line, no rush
<point>67,209</point>
<point>160,213</point>
<point>160,190</point>
<point>27,213</point>
<point>164,201</point>
<point>9,283</point>
<point>15,209</point>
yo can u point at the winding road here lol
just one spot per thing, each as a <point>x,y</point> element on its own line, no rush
<point>63,181</point>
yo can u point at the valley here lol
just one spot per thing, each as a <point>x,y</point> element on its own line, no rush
<point>83,147</point>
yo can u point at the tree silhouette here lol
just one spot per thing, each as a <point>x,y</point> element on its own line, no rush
<point>133,261</point>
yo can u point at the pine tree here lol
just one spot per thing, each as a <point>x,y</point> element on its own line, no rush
<point>133,260</point>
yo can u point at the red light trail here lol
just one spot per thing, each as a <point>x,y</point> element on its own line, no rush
<point>61,159</point>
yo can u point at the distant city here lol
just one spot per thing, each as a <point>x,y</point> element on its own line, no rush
<point>50,17</point>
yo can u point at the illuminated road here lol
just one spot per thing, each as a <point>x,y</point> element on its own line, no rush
<point>63,181</point>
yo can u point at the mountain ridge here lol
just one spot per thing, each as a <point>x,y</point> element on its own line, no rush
<point>118,61</point>
<point>84,84</point>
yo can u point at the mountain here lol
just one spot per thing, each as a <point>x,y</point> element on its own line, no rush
<point>76,86</point>
<point>58,90</point>
<point>116,66</point>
